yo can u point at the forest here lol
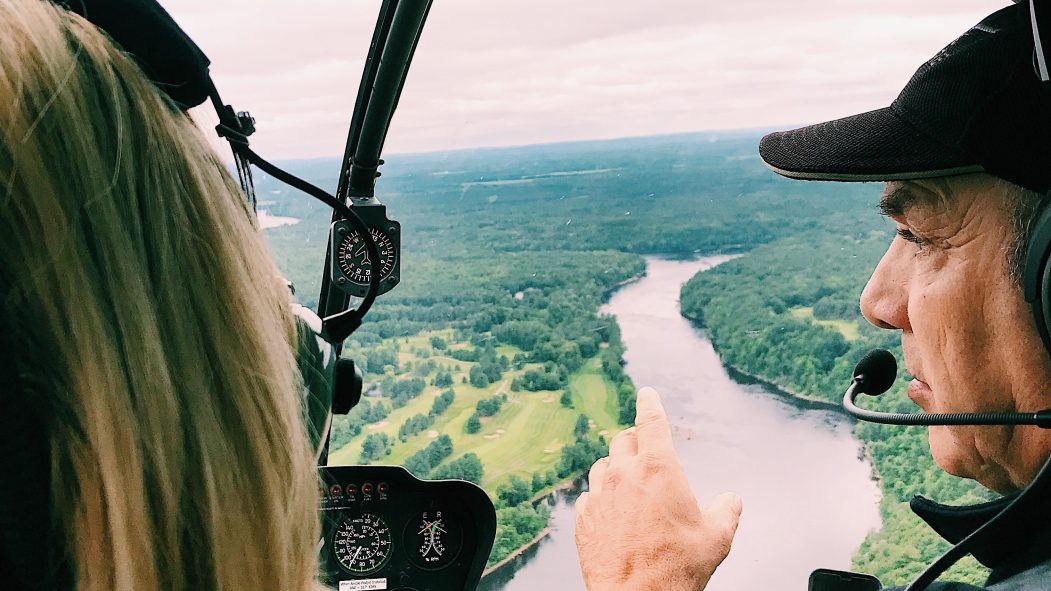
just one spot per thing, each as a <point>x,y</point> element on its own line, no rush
<point>490,361</point>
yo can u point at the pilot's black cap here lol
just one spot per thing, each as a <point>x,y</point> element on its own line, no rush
<point>978,105</point>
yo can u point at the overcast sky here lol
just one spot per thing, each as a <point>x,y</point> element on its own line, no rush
<point>513,72</point>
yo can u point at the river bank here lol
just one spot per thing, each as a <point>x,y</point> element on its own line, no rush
<point>521,550</point>
<point>550,496</point>
<point>795,464</point>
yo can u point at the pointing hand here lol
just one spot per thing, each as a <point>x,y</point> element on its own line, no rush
<point>639,527</point>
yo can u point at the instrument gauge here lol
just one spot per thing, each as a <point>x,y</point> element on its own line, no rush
<point>362,545</point>
<point>438,537</point>
<point>353,267</point>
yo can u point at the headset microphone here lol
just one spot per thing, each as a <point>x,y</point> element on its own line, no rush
<point>875,373</point>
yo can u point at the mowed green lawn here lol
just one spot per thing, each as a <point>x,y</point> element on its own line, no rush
<point>847,328</point>
<point>526,436</point>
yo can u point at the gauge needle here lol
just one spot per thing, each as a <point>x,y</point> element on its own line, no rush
<point>356,552</point>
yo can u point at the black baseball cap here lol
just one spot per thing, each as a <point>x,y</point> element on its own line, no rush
<point>977,106</point>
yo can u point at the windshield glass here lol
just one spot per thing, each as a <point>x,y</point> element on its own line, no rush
<point>584,213</point>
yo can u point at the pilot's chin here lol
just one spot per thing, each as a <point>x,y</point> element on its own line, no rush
<point>953,449</point>
<point>949,453</point>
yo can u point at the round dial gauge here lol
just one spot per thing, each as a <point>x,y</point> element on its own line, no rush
<point>362,544</point>
<point>353,257</point>
<point>438,539</point>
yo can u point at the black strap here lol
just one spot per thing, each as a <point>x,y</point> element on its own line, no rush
<point>30,547</point>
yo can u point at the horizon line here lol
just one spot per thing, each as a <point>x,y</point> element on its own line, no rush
<point>735,130</point>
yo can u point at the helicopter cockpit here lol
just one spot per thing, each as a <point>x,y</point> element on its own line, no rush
<point>554,332</point>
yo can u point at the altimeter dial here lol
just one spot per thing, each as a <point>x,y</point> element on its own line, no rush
<point>362,545</point>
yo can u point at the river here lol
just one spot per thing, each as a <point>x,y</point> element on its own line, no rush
<point>809,496</point>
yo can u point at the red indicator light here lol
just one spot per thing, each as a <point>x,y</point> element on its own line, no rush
<point>366,488</point>
<point>382,488</point>
<point>352,489</point>
<point>336,490</point>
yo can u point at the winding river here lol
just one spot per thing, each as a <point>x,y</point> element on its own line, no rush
<point>809,497</point>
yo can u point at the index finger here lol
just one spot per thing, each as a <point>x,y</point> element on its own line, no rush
<point>651,423</point>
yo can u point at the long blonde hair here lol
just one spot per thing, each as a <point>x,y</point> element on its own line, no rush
<point>150,325</point>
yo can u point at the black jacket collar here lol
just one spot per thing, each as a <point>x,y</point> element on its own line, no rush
<point>1016,543</point>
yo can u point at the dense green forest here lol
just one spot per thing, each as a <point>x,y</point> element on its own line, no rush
<point>490,361</point>
<point>787,312</point>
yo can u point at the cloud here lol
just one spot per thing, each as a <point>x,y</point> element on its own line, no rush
<point>526,71</point>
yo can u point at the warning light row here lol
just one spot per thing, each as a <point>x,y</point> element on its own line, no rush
<point>352,489</point>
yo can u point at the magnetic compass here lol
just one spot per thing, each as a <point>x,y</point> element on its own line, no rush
<point>352,266</point>
<point>362,544</point>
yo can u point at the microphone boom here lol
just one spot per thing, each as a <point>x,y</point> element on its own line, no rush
<point>875,373</point>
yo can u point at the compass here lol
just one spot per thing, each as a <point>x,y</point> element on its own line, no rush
<point>353,267</point>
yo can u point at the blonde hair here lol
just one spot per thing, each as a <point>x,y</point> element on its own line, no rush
<point>148,323</point>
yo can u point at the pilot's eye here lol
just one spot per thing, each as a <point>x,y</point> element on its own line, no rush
<point>907,235</point>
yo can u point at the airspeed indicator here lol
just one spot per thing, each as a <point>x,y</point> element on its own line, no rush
<point>362,545</point>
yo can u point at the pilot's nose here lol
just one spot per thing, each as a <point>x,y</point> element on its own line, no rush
<point>884,302</point>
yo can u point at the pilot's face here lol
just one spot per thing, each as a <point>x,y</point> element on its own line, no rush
<point>966,331</point>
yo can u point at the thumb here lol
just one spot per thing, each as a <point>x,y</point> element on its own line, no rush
<point>724,513</point>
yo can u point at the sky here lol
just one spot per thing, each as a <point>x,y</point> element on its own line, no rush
<point>516,72</point>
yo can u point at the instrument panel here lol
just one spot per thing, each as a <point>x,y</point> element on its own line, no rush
<point>384,529</point>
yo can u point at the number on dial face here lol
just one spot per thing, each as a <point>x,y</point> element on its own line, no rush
<point>432,528</point>
<point>353,256</point>
<point>362,544</point>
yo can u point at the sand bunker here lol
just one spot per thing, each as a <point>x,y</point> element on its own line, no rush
<point>432,434</point>
<point>548,400</point>
<point>378,425</point>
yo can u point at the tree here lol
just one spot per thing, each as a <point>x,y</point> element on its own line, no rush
<point>538,482</point>
<point>478,377</point>
<point>567,399</point>
<point>515,491</point>
<point>442,402</point>
<point>488,407</point>
<point>421,462</point>
<point>443,379</point>
<point>467,467</point>
<point>378,359</point>
<point>439,449</point>
<point>414,425</point>
<point>473,424</point>
<point>375,446</point>
<point>580,430</point>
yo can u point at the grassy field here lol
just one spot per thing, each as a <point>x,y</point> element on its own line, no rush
<point>847,328</point>
<point>526,436</point>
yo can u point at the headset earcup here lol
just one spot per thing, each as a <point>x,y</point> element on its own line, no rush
<point>317,363</point>
<point>1037,277</point>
